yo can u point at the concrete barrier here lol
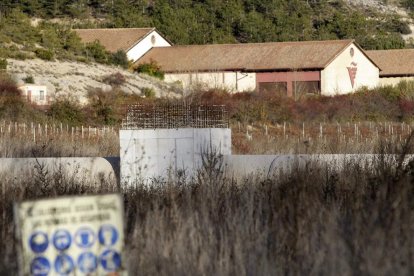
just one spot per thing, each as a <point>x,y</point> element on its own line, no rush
<point>151,153</point>
<point>240,166</point>
<point>90,169</point>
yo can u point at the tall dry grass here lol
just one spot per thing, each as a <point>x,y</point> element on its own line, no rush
<point>309,221</point>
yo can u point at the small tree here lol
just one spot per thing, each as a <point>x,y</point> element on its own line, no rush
<point>120,58</point>
<point>96,51</point>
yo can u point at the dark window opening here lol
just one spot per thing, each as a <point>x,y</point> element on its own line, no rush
<point>306,87</point>
<point>273,87</point>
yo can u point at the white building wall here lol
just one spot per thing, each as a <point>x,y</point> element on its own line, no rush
<point>147,154</point>
<point>35,93</point>
<point>231,81</point>
<point>335,77</point>
<point>154,39</point>
<point>393,80</point>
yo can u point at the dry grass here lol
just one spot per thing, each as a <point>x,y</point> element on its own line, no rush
<point>307,222</point>
<point>58,145</point>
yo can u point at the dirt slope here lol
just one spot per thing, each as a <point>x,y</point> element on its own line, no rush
<point>75,79</point>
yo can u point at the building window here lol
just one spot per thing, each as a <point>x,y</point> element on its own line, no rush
<point>41,95</point>
<point>306,87</point>
<point>273,87</point>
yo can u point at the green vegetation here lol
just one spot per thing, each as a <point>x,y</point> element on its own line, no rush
<point>148,92</point>
<point>29,79</point>
<point>3,64</point>
<point>216,21</point>
<point>44,54</point>
<point>49,41</point>
<point>151,69</point>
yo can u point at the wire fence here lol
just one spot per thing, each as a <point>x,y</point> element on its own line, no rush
<point>169,116</point>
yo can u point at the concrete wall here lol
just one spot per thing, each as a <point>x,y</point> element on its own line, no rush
<point>77,168</point>
<point>393,80</point>
<point>148,153</point>
<point>241,166</point>
<point>231,81</point>
<point>335,78</point>
<point>153,39</point>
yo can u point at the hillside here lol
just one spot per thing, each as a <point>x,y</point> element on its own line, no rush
<point>75,79</point>
<point>373,24</point>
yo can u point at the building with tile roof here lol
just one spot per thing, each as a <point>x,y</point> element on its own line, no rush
<point>396,65</point>
<point>292,68</point>
<point>135,42</point>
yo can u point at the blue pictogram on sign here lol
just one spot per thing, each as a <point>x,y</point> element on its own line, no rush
<point>40,266</point>
<point>62,240</point>
<point>87,262</point>
<point>38,242</point>
<point>107,235</point>
<point>64,264</point>
<point>85,237</point>
<point>110,260</point>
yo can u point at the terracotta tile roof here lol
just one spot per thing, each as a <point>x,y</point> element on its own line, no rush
<point>250,56</point>
<point>114,39</point>
<point>394,62</point>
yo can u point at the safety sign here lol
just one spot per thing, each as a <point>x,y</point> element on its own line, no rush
<point>71,236</point>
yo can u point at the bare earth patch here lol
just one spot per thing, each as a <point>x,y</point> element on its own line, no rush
<point>68,78</point>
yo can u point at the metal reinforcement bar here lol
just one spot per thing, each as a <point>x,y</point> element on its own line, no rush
<point>144,116</point>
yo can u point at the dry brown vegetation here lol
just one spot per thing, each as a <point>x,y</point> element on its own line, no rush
<point>309,221</point>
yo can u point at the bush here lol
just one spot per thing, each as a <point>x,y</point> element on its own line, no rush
<point>66,111</point>
<point>148,92</point>
<point>44,54</point>
<point>151,68</point>
<point>3,64</point>
<point>120,58</point>
<point>29,79</point>
<point>98,52</point>
<point>11,102</point>
<point>115,79</point>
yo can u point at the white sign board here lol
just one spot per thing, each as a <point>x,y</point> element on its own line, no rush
<point>80,235</point>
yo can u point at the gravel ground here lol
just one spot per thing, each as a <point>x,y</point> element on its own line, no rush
<point>64,78</point>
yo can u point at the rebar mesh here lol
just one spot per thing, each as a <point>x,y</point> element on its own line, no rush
<point>144,116</point>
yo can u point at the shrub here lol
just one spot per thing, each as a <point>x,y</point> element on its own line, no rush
<point>3,64</point>
<point>115,79</point>
<point>102,106</point>
<point>11,101</point>
<point>148,92</point>
<point>66,111</point>
<point>44,54</point>
<point>152,68</point>
<point>29,79</point>
<point>96,51</point>
<point>120,58</point>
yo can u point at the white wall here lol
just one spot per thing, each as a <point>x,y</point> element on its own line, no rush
<point>394,81</point>
<point>81,169</point>
<point>148,153</point>
<point>335,77</point>
<point>231,81</point>
<point>146,44</point>
<point>35,93</point>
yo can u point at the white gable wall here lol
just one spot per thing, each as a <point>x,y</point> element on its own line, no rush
<point>153,39</point>
<point>231,81</point>
<point>335,77</point>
